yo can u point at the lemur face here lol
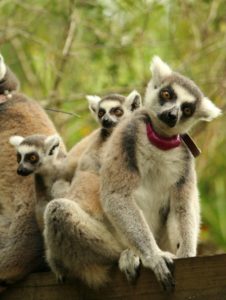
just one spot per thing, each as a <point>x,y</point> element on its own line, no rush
<point>34,151</point>
<point>176,101</point>
<point>110,110</point>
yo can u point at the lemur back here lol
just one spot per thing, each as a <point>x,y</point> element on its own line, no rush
<point>22,250</point>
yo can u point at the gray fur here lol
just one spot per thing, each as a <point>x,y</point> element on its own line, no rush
<point>77,233</point>
<point>157,208</point>
<point>50,180</point>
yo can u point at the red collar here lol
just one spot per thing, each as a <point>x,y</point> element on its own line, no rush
<point>163,143</point>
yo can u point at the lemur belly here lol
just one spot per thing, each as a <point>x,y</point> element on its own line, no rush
<point>160,171</point>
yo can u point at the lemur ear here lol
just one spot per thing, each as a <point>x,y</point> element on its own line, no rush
<point>16,140</point>
<point>51,143</point>
<point>93,102</point>
<point>133,100</point>
<point>2,67</point>
<point>208,110</point>
<point>160,70</point>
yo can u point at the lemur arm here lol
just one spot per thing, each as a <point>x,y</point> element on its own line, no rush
<point>185,214</point>
<point>42,199</point>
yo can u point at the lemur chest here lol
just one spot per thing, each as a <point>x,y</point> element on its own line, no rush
<point>159,172</point>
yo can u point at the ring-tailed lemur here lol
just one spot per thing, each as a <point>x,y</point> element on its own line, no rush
<point>148,183</point>
<point>65,253</point>
<point>41,155</point>
<point>22,249</point>
<point>108,111</point>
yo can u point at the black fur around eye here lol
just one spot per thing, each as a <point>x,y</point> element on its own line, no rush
<point>32,157</point>
<point>101,112</point>
<point>167,94</point>
<point>188,109</point>
<point>118,112</point>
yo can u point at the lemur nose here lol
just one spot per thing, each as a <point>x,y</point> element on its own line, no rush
<point>169,117</point>
<point>107,123</point>
<point>23,171</point>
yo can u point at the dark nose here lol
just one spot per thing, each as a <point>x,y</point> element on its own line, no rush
<point>169,117</point>
<point>23,171</point>
<point>107,123</point>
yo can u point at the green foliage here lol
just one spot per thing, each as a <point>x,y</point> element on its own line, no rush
<point>63,50</point>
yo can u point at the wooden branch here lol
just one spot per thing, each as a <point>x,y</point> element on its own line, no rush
<point>65,54</point>
<point>199,278</point>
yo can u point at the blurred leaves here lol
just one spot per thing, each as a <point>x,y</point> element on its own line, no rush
<point>63,50</point>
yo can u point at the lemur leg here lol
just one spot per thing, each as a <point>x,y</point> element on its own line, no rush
<point>184,219</point>
<point>21,248</point>
<point>77,245</point>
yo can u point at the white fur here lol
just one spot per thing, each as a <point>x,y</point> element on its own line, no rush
<point>134,95</point>
<point>2,67</point>
<point>24,149</point>
<point>93,102</point>
<point>16,140</point>
<point>208,110</point>
<point>159,70</point>
<point>163,171</point>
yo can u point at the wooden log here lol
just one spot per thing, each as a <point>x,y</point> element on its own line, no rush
<point>199,278</point>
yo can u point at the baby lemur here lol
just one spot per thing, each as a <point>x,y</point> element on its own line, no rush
<point>41,155</point>
<point>84,194</point>
<point>148,190</point>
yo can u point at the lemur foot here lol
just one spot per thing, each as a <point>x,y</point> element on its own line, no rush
<point>129,264</point>
<point>2,67</point>
<point>163,266</point>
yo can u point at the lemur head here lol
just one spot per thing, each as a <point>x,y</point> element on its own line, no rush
<point>35,151</point>
<point>175,101</point>
<point>110,109</point>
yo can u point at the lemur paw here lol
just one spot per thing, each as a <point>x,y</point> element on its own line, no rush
<point>2,67</point>
<point>163,266</point>
<point>129,264</point>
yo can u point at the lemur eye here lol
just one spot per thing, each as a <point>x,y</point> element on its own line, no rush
<point>18,157</point>
<point>165,94</point>
<point>118,112</point>
<point>33,158</point>
<point>101,113</point>
<point>187,111</point>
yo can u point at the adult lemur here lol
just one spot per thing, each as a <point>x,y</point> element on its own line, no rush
<point>148,189</point>
<point>21,247</point>
<point>66,260</point>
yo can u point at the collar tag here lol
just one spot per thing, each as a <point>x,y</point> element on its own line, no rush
<point>194,149</point>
